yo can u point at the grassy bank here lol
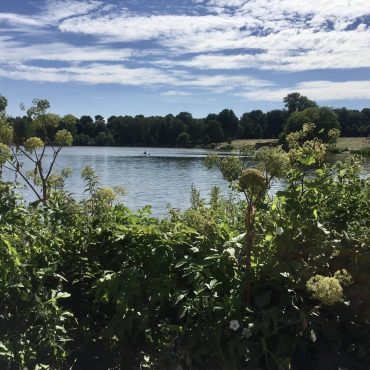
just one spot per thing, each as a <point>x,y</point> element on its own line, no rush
<point>344,143</point>
<point>353,143</point>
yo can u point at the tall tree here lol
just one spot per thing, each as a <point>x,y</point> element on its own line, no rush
<point>229,123</point>
<point>295,102</point>
<point>275,120</point>
<point>324,119</point>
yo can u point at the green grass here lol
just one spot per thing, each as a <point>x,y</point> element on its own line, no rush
<point>240,142</point>
<point>353,143</point>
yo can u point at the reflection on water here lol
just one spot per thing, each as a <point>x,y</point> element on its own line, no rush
<point>160,178</point>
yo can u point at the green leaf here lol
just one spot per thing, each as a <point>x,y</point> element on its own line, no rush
<point>268,237</point>
<point>263,299</point>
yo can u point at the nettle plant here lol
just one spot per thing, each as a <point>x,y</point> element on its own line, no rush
<point>14,152</point>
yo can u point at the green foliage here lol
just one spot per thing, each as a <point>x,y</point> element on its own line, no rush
<point>15,150</point>
<point>3,104</point>
<point>323,118</point>
<point>63,138</point>
<point>6,133</point>
<point>91,285</point>
<point>33,143</point>
<point>295,102</point>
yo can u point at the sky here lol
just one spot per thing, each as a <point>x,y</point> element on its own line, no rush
<point>156,57</point>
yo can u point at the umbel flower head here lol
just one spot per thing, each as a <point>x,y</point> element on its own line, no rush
<point>252,180</point>
<point>4,153</point>
<point>33,143</point>
<point>63,138</point>
<point>344,277</point>
<point>328,290</point>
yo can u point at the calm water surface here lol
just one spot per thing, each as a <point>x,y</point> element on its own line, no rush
<point>162,178</point>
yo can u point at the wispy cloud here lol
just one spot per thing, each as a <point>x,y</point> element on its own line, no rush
<point>176,93</point>
<point>208,47</point>
<point>318,90</point>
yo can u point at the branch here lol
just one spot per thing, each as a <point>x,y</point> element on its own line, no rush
<point>24,153</point>
<point>16,169</point>
<point>53,162</point>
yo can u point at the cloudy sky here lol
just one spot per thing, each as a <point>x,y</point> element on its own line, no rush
<point>165,56</point>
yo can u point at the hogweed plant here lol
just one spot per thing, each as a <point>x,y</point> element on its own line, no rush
<point>14,152</point>
<point>254,183</point>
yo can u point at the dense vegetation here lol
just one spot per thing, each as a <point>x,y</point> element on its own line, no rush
<point>185,131</point>
<point>247,282</point>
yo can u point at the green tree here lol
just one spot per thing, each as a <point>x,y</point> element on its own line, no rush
<point>229,122</point>
<point>323,118</point>
<point>183,140</point>
<point>275,120</point>
<point>3,104</point>
<point>214,131</point>
<point>13,151</point>
<point>295,102</point>
<point>104,139</point>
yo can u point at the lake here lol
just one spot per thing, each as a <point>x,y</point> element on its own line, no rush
<point>162,178</point>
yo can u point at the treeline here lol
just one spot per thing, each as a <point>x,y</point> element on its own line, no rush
<point>183,130</point>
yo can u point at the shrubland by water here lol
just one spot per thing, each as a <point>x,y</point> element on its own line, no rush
<point>247,282</point>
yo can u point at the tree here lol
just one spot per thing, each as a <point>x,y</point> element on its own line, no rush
<point>68,122</point>
<point>295,102</point>
<point>323,118</point>
<point>12,151</point>
<point>3,104</point>
<point>214,131</point>
<point>23,127</point>
<point>104,139</point>
<point>252,124</point>
<point>99,125</point>
<point>196,131</point>
<point>275,120</point>
<point>185,117</point>
<point>86,126</point>
<point>183,140</point>
<point>229,122</point>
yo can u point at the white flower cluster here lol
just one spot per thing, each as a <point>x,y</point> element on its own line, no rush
<point>246,333</point>
<point>328,290</point>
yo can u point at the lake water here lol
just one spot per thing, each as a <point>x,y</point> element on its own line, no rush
<point>161,179</point>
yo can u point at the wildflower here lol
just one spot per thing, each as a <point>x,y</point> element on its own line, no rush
<point>247,332</point>
<point>326,289</point>
<point>4,153</point>
<point>279,230</point>
<point>234,325</point>
<point>344,277</point>
<point>33,143</point>
<point>252,180</point>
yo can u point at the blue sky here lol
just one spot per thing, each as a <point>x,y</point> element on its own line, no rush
<point>157,57</point>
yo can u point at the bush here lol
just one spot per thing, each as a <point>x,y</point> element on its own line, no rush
<point>93,285</point>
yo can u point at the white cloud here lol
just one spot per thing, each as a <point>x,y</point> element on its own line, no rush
<point>11,50</point>
<point>274,35</point>
<point>98,73</point>
<point>289,35</point>
<point>52,12</point>
<point>176,93</point>
<point>316,90</point>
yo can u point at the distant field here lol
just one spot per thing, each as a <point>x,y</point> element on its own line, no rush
<point>237,143</point>
<point>353,143</point>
